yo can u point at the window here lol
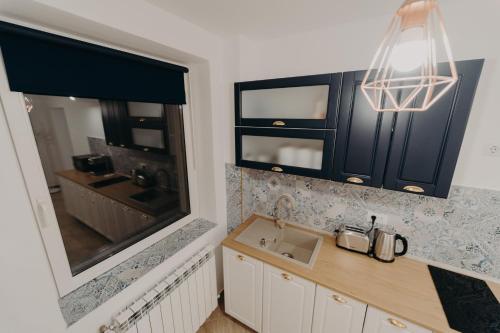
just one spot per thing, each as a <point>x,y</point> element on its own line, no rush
<point>116,171</point>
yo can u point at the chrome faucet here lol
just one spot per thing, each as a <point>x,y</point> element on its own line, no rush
<point>288,199</point>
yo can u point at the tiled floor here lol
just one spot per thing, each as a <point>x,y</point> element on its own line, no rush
<point>219,322</point>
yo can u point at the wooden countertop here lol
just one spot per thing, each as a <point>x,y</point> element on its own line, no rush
<point>403,288</point>
<point>119,192</point>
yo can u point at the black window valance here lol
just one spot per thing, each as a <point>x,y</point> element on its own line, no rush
<point>42,63</point>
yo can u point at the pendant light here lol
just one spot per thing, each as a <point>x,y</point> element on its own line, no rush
<point>404,73</point>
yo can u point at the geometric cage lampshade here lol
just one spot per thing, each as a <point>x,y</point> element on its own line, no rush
<point>404,74</point>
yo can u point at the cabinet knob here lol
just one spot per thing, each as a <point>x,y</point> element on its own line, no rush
<point>414,189</point>
<point>286,276</point>
<point>240,257</point>
<point>277,169</point>
<point>396,323</point>
<point>278,123</point>
<point>339,299</point>
<point>355,180</point>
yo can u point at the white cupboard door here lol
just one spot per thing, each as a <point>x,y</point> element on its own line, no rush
<point>337,313</point>
<point>378,321</point>
<point>288,302</point>
<point>243,288</point>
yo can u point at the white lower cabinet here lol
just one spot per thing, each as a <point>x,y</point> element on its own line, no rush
<point>336,313</point>
<point>378,321</point>
<point>243,288</point>
<point>270,300</point>
<point>288,302</point>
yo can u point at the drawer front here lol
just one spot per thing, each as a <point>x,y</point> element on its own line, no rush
<point>378,321</point>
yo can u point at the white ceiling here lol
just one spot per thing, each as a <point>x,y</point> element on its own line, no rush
<point>270,18</point>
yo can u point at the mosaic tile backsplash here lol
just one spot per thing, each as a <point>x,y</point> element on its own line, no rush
<point>124,160</point>
<point>462,231</point>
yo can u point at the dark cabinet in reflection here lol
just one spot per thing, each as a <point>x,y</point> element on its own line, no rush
<point>136,125</point>
<point>114,119</point>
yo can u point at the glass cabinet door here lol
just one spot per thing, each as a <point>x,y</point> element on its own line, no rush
<point>301,152</point>
<point>145,110</point>
<point>148,126</point>
<point>299,102</point>
<point>148,138</point>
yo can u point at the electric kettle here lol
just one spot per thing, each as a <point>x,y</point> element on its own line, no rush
<point>384,245</point>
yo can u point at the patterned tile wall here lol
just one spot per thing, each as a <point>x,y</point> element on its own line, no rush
<point>462,231</point>
<point>124,159</point>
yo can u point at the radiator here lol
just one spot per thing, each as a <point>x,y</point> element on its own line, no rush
<point>178,304</point>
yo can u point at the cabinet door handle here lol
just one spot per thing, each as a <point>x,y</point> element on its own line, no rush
<point>141,120</point>
<point>278,123</point>
<point>339,299</point>
<point>240,257</point>
<point>414,189</point>
<point>145,149</point>
<point>396,323</point>
<point>355,180</point>
<point>286,276</point>
<point>277,169</point>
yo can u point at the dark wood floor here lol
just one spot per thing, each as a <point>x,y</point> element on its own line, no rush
<point>80,241</point>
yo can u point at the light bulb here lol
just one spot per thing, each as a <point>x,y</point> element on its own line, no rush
<point>411,51</point>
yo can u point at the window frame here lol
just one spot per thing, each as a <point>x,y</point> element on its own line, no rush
<point>43,210</point>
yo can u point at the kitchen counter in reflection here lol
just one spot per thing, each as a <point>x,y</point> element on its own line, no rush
<point>122,191</point>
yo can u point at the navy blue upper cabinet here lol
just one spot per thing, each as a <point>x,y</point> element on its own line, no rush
<point>323,126</point>
<point>297,102</point>
<point>294,151</point>
<point>426,145</point>
<point>363,136</point>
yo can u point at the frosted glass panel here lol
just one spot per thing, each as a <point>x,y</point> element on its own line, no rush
<point>309,102</point>
<point>148,137</point>
<point>137,109</point>
<point>304,153</point>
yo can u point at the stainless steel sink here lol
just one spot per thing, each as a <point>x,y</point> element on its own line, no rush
<point>290,243</point>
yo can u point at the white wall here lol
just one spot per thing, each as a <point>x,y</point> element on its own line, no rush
<point>473,29</point>
<point>28,292</point>
<point>84,120</point>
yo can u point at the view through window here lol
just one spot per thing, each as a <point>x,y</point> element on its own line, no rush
<point>116,171</point>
